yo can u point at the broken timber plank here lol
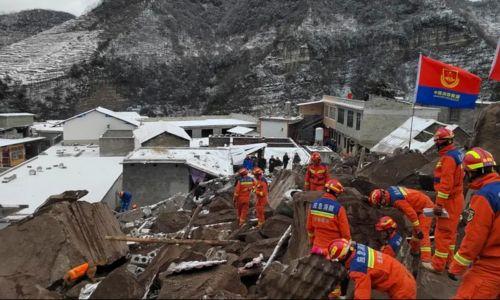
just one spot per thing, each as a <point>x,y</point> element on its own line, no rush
<point>170,241</point>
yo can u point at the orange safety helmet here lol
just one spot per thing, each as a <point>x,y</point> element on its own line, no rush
<point>316,157</point>
<point>386,223</point>
<point>333,185</point>
<point>379,197</point>
<point>257,171</point>
<point>443,135</point>
<point>339,249</point>
<point>243,172</point>
<point>478,158</point>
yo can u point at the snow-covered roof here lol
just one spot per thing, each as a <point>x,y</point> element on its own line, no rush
<point>149,130</point>
<point>212,123</point>
<point>241,130</point>
<point>318,149</point>
<point>239,152</point>
<point>10,142</point>
<point>311,103</point>
<point>289,119</point>
<point>354,104</point>
<point>16,115</point>
<point>47,126</point>
<point>81,169</point>
<point>400,137</point>
<point>213,161</point>
<point>131,115</point>
<point>106,112</point>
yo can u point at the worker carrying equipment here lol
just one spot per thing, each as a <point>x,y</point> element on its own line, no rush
<point>242,192</point>
<point>125,200</point>
<point>411,203</point>
<point>371,269</point>
<point>261,191</point>
<point>327,219</point>
<point>389,230</point>
<point>79,272</point>
<point>480,247</point>
<point>316,174</point>
<point>448,184</point>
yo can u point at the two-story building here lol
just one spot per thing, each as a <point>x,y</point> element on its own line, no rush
<point>354,124</point>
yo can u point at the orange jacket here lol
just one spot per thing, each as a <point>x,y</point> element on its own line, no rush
<point>243,189</point>
<point>373,269</point>
<point>410,202</point>
<point>326,221</point>
<point>77,272</point>
<point>482,233</point>
<point>316,177</point>
<point>448,175</point>
<point>261,188</point>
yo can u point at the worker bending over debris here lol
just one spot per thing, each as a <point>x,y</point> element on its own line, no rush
<point>481,244</point>
<point>316,174</point>
<point>448,184</point>
<point>244,186</point>
<point>389,230</point>
<point>411,203</point>
<point>261,191</point>
<point>78,272</point>
<point>125,200</point>
<point>371,269</point>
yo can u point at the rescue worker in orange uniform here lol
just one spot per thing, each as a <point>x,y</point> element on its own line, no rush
<point>481,244</point>
<point>411,203</point>
<point>242,192</point>
<point>389,229</point>
<point>327,219</point>
<point>371,269</point>
<point>448,184</point>
<point>79,272</point>
<point>262,192</point>
<point>316,174</point>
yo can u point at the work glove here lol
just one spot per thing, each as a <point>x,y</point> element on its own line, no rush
<point>438,211</point>
<point>452,276</point>
<point>418,234</point>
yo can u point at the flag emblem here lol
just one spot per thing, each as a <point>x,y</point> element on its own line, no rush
<point>449,78</point>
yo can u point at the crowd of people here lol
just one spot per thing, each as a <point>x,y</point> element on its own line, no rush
<point>477,258</point>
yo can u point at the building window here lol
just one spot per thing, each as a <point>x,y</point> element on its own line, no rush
<point>224,130</point>
<point>206,132</point>
<point>189,132</point>
<point>454,115</point>
<point>331,112</point>
<point>358,121</point>
<point>340,117</point>
<point>350,118</point>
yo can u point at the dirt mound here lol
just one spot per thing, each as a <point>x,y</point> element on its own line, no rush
<point>65,234</point>
<point>393,170</point>
<point>487,131</point>
<point>202,284</point>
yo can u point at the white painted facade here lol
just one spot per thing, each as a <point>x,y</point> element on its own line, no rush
<point>88,128</point>
<point>274,128</point>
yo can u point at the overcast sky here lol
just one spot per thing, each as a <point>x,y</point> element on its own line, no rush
<point>76,7</point>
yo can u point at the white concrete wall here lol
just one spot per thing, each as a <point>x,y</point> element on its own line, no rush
<point>275,129</point>
<point>89,128</point>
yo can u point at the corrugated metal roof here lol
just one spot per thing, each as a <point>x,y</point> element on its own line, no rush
<point>400,137</point>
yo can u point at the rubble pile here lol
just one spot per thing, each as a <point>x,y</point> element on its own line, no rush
<point>212,257</point>
<point>487,131</point>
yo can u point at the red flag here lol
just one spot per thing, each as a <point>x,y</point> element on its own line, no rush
<point>495,67</point>
<point>440,84</point>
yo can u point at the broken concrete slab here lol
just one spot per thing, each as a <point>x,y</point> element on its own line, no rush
<point>284,180</point>
<point>252,250</point>
<point>310,277</point>
<point>168,222</point>
<point>119,284</point>
<point>393,170</point>
<point>222,216</point>
<point>200,284</point>
<point>65,234</point>
<point>24,287</point>
<point>221,202</point>
<point>275,226</point>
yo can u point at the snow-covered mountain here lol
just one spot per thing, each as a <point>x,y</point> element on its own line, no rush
<point>215,56</point>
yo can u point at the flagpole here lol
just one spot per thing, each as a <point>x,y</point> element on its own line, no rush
<point>414,99</point>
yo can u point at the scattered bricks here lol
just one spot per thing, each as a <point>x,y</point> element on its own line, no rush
<point>140,260</point>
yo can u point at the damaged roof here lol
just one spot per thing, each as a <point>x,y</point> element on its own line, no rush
<point>241,130</point>
<point>62,168</point>
<point>10,142</point>
<point>213,161</point>
<point>422,136</point>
